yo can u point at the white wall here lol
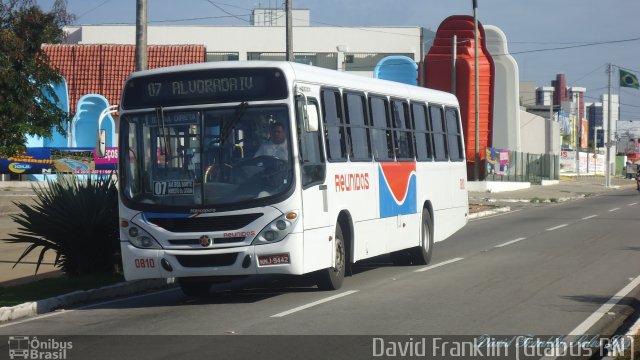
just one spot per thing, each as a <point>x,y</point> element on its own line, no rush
<point>506,104</point>
<point>539,135</point>
<point>245,39</point>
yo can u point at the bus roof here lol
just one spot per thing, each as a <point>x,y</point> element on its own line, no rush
<point>296,72</point>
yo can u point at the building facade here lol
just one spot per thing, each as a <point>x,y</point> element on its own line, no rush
<point>352,49</point>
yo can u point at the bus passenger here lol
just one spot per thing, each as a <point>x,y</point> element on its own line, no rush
<point>276,145</point>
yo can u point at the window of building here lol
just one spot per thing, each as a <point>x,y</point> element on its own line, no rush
<point>222,56</point>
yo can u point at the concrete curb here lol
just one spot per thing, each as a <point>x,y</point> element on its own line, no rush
<point>481,214</point>
<point>9,313</point>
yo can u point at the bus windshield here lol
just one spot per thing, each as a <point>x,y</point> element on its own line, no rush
<point>205,158</point>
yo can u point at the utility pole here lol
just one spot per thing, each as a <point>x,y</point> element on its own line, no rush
<point>454,57</point>
<point>141,35</point>
<point>577,131</point>
<point>550,131</point>
<point>476,163</point>
<point>289,31</point>
<point>607,181</point>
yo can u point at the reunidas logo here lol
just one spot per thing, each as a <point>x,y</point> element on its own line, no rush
<point>32,348</point>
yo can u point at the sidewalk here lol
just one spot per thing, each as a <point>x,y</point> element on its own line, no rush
<point>566,189</point>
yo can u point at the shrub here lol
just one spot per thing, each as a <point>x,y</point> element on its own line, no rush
<point>75,218</point>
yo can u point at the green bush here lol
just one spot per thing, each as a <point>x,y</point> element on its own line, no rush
<point>75,218</point>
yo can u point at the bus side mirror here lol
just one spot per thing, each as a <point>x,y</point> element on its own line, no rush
<point>310,117</point>
<point>101,143</point>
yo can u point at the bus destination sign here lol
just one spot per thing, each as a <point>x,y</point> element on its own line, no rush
<point>204,86</point>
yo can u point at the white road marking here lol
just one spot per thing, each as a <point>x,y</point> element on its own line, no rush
<point>589,217</point>
<point>439,264</point>
<point>510,242</point>
<point>634,203</point>
<point>614,209</point>
<point>557,227</point>
<point>605,308</point>
<point>44,316</point>
<point>321,301</point>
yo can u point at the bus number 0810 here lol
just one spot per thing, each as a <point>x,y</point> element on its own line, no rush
<point>144,263</point>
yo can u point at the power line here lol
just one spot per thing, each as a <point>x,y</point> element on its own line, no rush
<point>573,46</point>
<point>226,12</point>
<point>92,9</point>
<point>589,73</point>
<point>195,19</point>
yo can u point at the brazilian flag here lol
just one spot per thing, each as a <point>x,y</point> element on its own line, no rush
<point>627,79</point>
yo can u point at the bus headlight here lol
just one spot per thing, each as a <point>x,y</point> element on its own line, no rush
<point>277,229</point>
<point>141,239</point>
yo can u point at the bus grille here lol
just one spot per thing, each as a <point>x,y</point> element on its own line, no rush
<point>205,224</point>
<point>229,240</point>
<point>212,260</point>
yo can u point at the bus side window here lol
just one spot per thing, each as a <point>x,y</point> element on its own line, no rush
<point>402,133</point>
<point>382,139</point>
<point>357,127</point>
<point>333,125</point>
<point>454,135</point>
<point>310,145</point>
<point>439,132</point>
<point>424,151</point>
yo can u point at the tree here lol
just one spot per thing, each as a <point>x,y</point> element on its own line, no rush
<point>27,101</point>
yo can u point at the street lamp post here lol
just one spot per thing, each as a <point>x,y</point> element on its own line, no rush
<point>595,148</point>
<point>577,131</point>
<point>476,165</point>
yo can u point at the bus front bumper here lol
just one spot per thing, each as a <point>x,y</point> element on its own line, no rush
<point>283,257</point>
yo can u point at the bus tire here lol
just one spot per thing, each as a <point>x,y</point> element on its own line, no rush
<point>331,278</point>
<point>421,255</point>
<point>195,288</point>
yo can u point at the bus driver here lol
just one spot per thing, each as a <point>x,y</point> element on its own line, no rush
<point>276,145</point>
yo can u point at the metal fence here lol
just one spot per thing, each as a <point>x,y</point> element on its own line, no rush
<point>525,167</point>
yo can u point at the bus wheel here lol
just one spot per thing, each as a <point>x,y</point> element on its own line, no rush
<point>195,288</point>
<point>331,278</point>
<point>421,255</point>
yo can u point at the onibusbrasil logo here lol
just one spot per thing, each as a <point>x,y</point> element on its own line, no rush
<point>32,348</point>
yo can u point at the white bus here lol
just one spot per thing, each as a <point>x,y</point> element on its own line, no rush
<point>232,169</point>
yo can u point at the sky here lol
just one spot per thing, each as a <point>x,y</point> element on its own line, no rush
<point>546,37</point>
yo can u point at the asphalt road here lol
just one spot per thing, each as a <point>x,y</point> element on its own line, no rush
<point>541,270</point>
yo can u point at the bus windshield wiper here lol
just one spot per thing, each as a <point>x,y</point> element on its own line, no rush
<point>240,110</point>
<point>165,136</point>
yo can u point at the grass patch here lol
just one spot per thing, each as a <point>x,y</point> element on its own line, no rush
<point>46,288</point>
<point>536,200</point>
